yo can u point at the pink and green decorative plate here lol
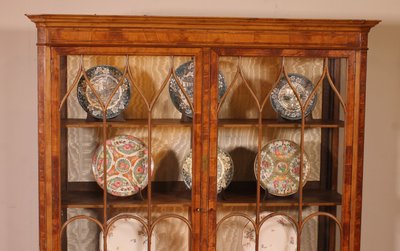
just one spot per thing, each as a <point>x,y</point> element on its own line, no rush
<point>224,170</point>
<point>280,167</point>
<point>126,164</point>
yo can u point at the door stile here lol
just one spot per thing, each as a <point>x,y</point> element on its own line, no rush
<point>55,151</point>
<point>349,153</point>
<point>205,229</point>
<point>212,186</point>
<point>197,145</point>
<point>358,157</point>
<point>44,135</point>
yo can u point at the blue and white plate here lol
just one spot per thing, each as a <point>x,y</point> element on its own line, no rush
<point>185,74</point>
<point>284,101</point>
<point>224,170</point>
<point>104,79</point>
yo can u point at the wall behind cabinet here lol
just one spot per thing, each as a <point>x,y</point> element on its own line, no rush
<point>18,102</point>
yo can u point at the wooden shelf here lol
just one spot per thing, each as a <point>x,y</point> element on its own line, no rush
<point>175,194</point>
<point>243,193</point>
<point>224,123</point>
<point>90,195</point>
<point>310,198</point>
<point>129,123</point>
<point>280,123</point>
<point>95,200</point>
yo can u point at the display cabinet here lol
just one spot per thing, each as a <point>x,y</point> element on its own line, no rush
<point>181,133</point>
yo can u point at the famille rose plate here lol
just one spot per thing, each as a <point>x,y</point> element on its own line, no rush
<point>276,234</point>
<point>284,100</point>
<point>126,164</point>
<point>224,170</point>
<point>104,79</point>
<point>280,167</point>
<point>127,234</point>
<point>185,75</point>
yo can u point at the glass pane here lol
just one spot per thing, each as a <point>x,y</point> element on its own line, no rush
<point>82,234</point>
<point>284,116</point>
<point>122,118</point>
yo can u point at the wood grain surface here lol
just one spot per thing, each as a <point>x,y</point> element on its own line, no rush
<point>259,48</point>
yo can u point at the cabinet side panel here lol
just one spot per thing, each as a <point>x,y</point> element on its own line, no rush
<point>55,151</point>
<point>359,141</point>
<point>350,123</point>
<point>44,135</point>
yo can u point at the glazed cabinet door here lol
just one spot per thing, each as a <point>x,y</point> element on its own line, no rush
<point>126,148</point>
<point>281,166</point>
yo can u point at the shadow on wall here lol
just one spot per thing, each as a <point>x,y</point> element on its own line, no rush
<point>381,193</point>
<point>18,141</point>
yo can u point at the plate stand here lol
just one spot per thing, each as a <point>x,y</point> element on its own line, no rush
<point>265,194</point>
<point>119,118</point>
<point>309,118</point>
<point>139,195</point>
<point>222,195</point>
<point>186,118</point>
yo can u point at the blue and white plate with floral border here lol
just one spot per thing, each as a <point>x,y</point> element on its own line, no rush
<point>185,75</point>
<point>284,100</point>
<point>104,79</point>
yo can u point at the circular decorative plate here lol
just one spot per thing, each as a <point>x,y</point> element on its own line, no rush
<point>276,234</point>
<point>185,74</point>
<point>126,160</point>
<point>284,101</point>
<point>224,170</point>
<point>127,234</point>
<point>280,167</point>
<point>104,79</point>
